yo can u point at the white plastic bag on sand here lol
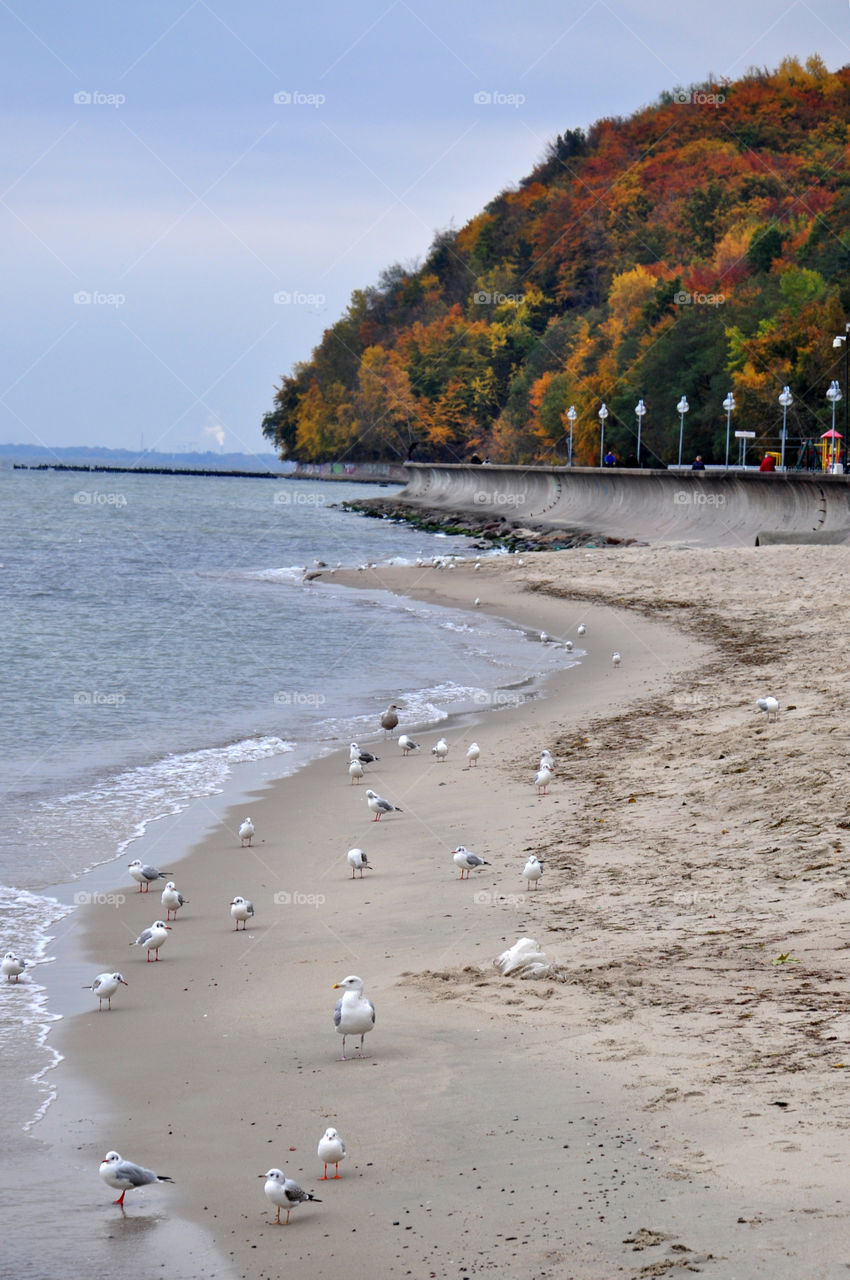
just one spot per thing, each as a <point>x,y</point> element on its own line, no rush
<point>524,960</point>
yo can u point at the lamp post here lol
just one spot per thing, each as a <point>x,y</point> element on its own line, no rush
<point>728,405</point>
<point>786,400</point>
<point>572,415</point>
<point>682,408</point>
<point>640,410</point>
<point>603,414</point>
<point>833,396</point>
<point>837,342</point>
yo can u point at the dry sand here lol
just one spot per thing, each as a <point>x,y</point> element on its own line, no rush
<point>674,1101</point>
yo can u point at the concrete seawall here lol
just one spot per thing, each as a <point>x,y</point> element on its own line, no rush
<point>703,508</point>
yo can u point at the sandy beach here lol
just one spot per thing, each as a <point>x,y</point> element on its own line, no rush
<point>671,1100</point>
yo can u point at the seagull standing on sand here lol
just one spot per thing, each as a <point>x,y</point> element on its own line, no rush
<point>616,659</point>
<point>355,772</point>
<point>246,833</point>
<point>365,757</point>
<point>441,750</point>
<point>145,874</point>
<point>581,629</point>
<point>407,744</point>
<point>473,751</point>
<point>769,707</point>
<point>124,1176</point>
<point>354,1014</point>
<point>380,806</point>
<point>12,965</point>
<point>543,777</point>
<point>152,939</point>
<point>172,900</point>
<point>358,861</point>
<point>467,860</point>
<point>241,909</point>
<point>389,719</point>
<point>547,759</point>
<point>533,871</point>
<point>331,1151</point>
<point>284,1193</point>
<point>104,987</point>
<point>568,645</point>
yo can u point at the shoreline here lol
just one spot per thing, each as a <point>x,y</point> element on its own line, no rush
<point>455,1048</point>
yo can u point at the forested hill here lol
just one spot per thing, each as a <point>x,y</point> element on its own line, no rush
<point>699,246</point>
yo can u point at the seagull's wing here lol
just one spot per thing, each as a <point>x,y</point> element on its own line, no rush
<point>338,1012</point>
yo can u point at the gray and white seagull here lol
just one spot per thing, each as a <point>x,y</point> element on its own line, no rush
<point>380,806</point>
<point>125,1176</point>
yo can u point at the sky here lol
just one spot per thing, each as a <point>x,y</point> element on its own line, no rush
<point>191,189</point>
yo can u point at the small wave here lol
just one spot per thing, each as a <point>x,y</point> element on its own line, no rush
<point>288,573</point>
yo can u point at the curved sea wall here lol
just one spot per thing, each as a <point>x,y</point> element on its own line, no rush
<point>708,508</point>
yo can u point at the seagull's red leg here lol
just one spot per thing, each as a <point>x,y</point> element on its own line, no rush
<point>336,1175</point>
<point>324,1176</point>
<point>120,1199</point>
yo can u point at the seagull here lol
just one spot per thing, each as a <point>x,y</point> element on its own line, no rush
<point>331,1151</point>
<point>358,861</point>
<point>365,757</point>
<point>354,1015</point>
<point>543,777</point>
<point>152,939</point>
<point>407,744</point>
<point>12,965</point>
<point>379,806</point>
<point>355,772</point>
<point>769,706</point>
<point>568,645</point>
<point>616,659</point>
<point>172,900</point>
<point>477,602</point>
<point>246,833</point>
<point>441,750</point>
<point>544,637</point>
<point>533,871</point>
<point>467,860</point>
<point>547,759</point>
<point>473,751</point>
<point>241,909</point>
<point>389,719</point>
<point>581,629</point>
<point>123,1175</point>
<point>104,987</point>
<point>284,1193</point>
<point>145,874</point>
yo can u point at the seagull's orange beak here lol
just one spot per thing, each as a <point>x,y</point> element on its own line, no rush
<point>335,987</point>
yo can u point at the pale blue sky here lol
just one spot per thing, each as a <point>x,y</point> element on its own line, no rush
<point>181,197</point>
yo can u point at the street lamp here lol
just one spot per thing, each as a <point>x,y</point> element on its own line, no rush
<point>603,414</point>
<point>572,415</point>
<point>836,342</point>
<point>833,396</point>
<point>786,400</point>
<point>640,410</point>
<point>728,405</point>
<point>682,408</point>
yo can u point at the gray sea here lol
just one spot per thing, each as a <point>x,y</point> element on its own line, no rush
<point>160,643</point>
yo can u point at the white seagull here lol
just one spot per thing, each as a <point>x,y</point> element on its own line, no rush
<point>533,871</point>
<point>380,806</point>
<point>543,777</point>
<point>124,1176</point>
<point>358,861</point>
<point>473,751</point>
<point>547,759</point>
<point>441,750</point>
<point>477,602</point>
<point>355,772</point>
<point>152,939</point>
<point>769,707</point>
<point>241,909</point>
<point>12,965</point>
<point>354,1014</point>
<point>581,629</point>
<point>365,757</point>
<point>104,987</point>
<point>331,1151</point>
<point>284,1193</point>
<point>467,860</point>
<point>145,874</point>
<point>246,833</point>
<point>616,659</point>
<point>407,744</point>
<point>172,900</point>
<point>568,645</point>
